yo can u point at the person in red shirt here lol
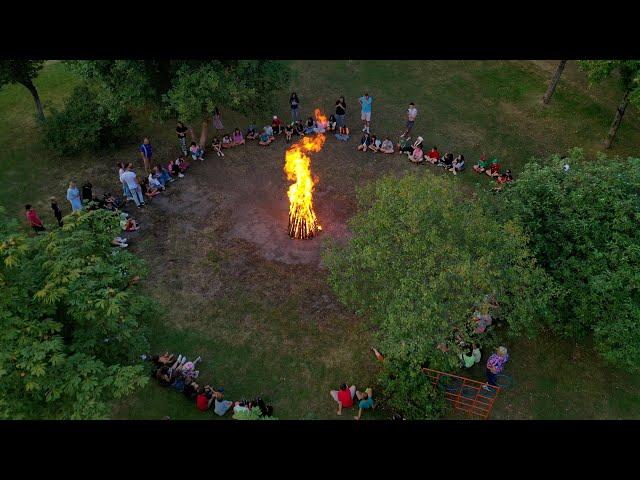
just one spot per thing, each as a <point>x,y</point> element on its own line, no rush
<point>433,156</point>
<point>204,399</point>
<point>276,124</point>
<point>494,169</point>
<point>344,396</point>
<point>34,220</point>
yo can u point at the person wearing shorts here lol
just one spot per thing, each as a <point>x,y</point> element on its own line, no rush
<point>365,114</point>
<point>344,397</point>
<point>412,113</point>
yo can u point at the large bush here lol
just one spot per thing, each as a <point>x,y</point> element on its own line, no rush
<point>583,228</point>
<point>422,256</point>
<point>71,320</point>
<point>83,124</point>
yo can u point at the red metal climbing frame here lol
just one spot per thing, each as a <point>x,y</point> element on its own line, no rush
<point>465,395</point>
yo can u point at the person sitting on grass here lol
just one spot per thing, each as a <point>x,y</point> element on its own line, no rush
<point>205,398</point>
<point>494,168</point>
<point>405,145</point>
<point>288,132</point>
<point>332,124</point>
<point>154,182</point>
<point>457,165</point>
<point>375,144</point>
<point>164,359</point>
<point>196,151</point>
<point>174,169</point>
<point>506,177</point>
<point>119,242</point>
<point>433,156</point>
<point>161,175</point>
<point>147,189</point>
<point>217,146</point>
<point>242,406</point>
<point>238,139</point>
<point>343,133</point>
<point>128,224</point>
<point>446,161</point>
<point>221,406</point>
<point>265,139</point>
<point>190,389</point>
<point>344,397</point>
<point>227,141</point>
<point>34,221</point>
<point>182,164</point>
<point>365,403</point>
<point>269,130</point>
<point>298,128</point>
<point>482,164</point>
<point>276,125</point>
<point>417,156</point>
<point>309,126</point>
<point>365,141</point>
<point>387,146</point>
<point>251,132</point>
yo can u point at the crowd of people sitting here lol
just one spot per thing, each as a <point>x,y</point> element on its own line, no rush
<point>181,375</point>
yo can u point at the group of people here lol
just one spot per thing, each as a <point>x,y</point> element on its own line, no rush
<point>347,397</point>
<point>180,374</point>
<point>491,168</point>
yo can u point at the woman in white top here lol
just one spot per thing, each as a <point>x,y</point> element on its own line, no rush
<point>125,188</point>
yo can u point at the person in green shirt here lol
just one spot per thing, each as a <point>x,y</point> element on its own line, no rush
<point>482,165</point>
<point>405,145</point>
<point>468,360</point>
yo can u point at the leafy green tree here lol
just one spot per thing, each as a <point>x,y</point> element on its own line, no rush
<point>23,72</point>
<point>422,257</point>
<point>72,321</point>
<point>628,72</point>
<point>583,229</point>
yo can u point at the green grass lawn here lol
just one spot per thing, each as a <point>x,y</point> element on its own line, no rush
<point>254,331</point>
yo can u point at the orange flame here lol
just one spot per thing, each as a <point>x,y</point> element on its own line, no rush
<point>302,218</point>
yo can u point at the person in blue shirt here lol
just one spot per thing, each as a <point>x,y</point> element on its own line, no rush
<point>365,403</point>
<point>365,102</point>
<point>146,152</point>
<point>73,195</point>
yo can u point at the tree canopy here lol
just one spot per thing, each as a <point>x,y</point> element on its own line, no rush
<point>22,72</point>
<point>72,323</point>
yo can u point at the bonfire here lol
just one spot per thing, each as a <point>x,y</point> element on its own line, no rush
<point>303,223</point>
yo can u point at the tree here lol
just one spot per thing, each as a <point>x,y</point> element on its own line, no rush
<point>422,258</point>
<point>23,72</point>
<point>72,321</point>
<point>582,226</point>
<point>554,82</point>
<point>629,77</point>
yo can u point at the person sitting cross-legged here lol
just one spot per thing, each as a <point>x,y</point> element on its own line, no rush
<point>457,165</point>
<point>238,139</point>
<point>482,165</point>
<point>387,146</point>
<point>417,156</point>
<point>288,132</point>
<point>216,144</point>
<point>196,151</point>
<point>265,139</point>
<point>375,144</point>
<point>365,141</point>
<point>344,397</point>
<point>365,403</point>
<point>433,156</point>
<point>227,141</point>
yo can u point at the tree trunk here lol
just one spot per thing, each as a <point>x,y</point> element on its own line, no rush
<point>554,82</point>
<point>204,132</point>
<point>32,88</point>
<point>617,120</point>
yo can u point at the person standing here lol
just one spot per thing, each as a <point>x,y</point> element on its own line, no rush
<point>130,178</point>
<point>33,219</point>
<point>495,366</point>
<point>365,102</point>
<point>56,210</point>
<point>181,130</point>
<point>341,112</point>
<point>146,151</point>
<point>217,119</point>
<point>125,189</point>
<point>73,195</point>
<point>294,102</point>
<point>412,113</point>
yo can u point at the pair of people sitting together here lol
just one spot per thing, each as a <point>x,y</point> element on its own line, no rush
<point>373,143</point>
<point>346,396</point>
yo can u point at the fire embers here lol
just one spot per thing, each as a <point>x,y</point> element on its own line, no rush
<point>302,218</point>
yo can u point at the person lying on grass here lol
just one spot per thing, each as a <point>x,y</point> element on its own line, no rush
<point>217,146</point>
<point>190,389</point>
<point>343,133</point>
<point>221,406</point>
<point>265,139</point>
<point>365,141</point>
<point>365,403</point>
<point>205,398</point>
<point>344,397</point>
<point>457,165</point>
<point>433,156</point>
<point>227,141</point>
<point>417,156</point>
<point>197,153</point>
<point>375,144</point>
<point>288,132</point>
<point>387,146</point>
<point>164,359</point>
<point>482,164</point>
<point>332,124</point>
<point>238,139</point>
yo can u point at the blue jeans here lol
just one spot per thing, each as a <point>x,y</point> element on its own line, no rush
<point>492,378</point>
<point>294,114</point>
<point>136,194</point>
<point>125,190</point>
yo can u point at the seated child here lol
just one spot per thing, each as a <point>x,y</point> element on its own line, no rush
<point>494,168</point>
<point>238,139</point>
<point>288,132</point>
<point>457,165</point>
<point>148,190</point>
<point>221,406</point>
<point>433,156</point>
<point>365,141</point>
<point>265,139</point>
<point>331,126</point>
<point>174,169</point>
<point>310,126</point>
<point>154,182</point>
<point>417,156</point>
<point>217,146</point>
<point>405,145</point>
<point>343,133</point>
<point>182,164</point>
<point>227,141</point>
<point>196,151</point>
<point>298,128</point>
<point>251,133</point>
<point>276,125</point>
<point>161,175</point>
<point>375,144</point>
<point>270,132</point>
<point>446,161</point>
<point>482,165</point>
<point>387,146</point>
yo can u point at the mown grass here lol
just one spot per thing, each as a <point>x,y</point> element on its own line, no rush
<point>255,343</point>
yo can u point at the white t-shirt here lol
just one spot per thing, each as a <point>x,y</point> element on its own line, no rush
<point>120,172</point>
<point>412,113</point>
<point>130,178</point>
